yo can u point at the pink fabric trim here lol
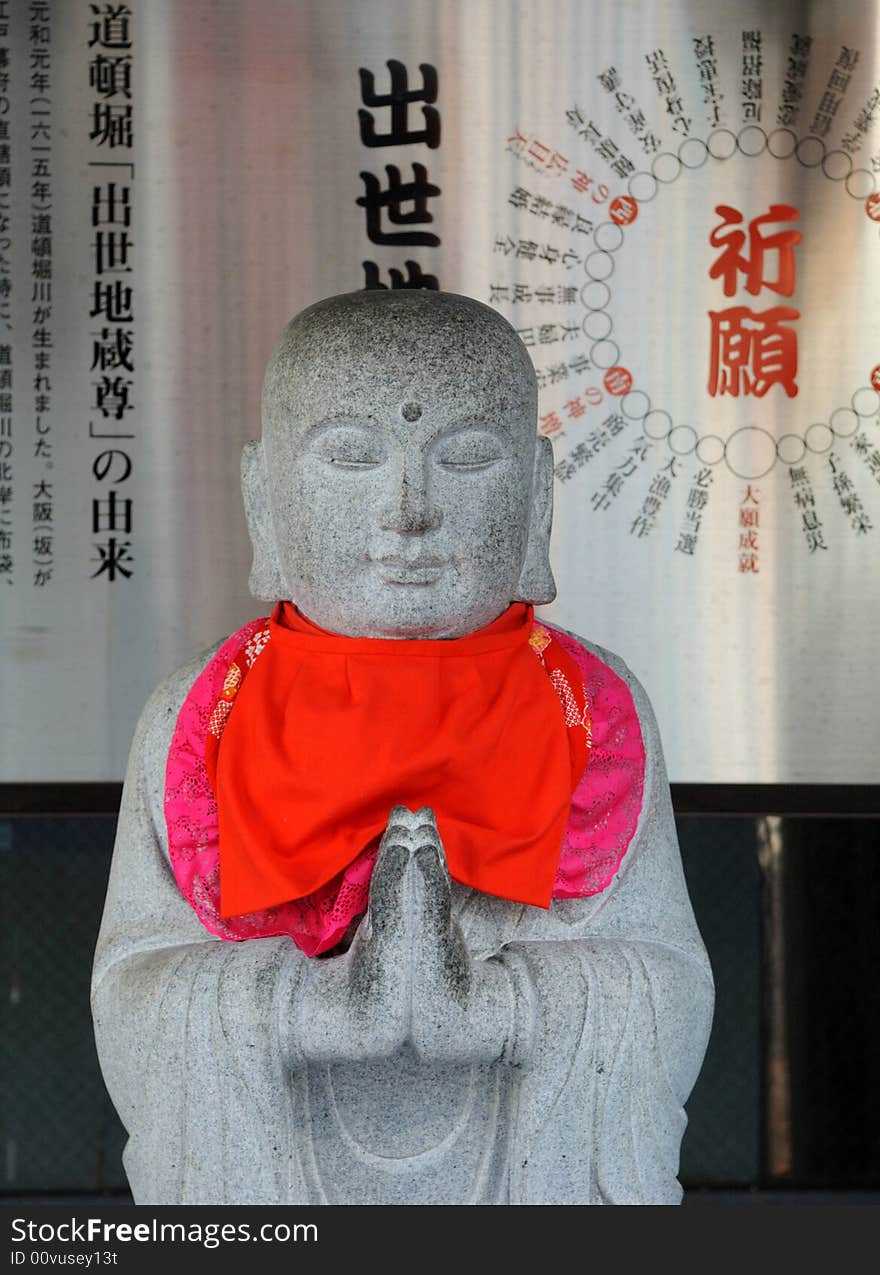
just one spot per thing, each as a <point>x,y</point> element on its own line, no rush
<point>604,811</point>
<point>606,804</point>
<point>316,924</point>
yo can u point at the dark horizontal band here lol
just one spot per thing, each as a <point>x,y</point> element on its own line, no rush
<point>776,799</point>
<point>687,799</point>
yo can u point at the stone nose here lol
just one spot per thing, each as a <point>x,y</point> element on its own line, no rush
<point>407,506</point>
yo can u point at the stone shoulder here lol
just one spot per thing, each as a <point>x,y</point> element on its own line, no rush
<point>152,740</point>
<point>617,665</point>
<point>167,699</point>
<point>614,662</point>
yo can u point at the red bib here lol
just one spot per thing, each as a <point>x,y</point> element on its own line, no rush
<point>329,732</point>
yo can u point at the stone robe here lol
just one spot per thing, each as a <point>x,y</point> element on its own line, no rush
<point>613,1006</point>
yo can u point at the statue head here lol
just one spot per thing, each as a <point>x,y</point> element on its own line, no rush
<point>400,488</point>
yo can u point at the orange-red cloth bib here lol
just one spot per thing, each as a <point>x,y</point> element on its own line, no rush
<point>330,732</point>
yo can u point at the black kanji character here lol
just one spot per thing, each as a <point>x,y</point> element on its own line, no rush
<point>399,99</point>
<point>416,192</point>
<point>414,277</point>
<point>111,559</point>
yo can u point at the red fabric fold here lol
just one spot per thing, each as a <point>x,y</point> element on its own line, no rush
<point>330,732</point>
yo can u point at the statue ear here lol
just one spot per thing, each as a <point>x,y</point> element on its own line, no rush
<point>536,583</point>
<point>265,580</point>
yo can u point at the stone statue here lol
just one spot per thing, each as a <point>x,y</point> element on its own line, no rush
<point>391,929</point>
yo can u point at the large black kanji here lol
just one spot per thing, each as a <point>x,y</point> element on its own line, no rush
<point>113,559</point>
<point>416,192</point>
<point>414,277</point>
<point>398,100</point>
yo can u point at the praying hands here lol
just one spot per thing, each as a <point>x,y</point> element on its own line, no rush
<point>408,977</point>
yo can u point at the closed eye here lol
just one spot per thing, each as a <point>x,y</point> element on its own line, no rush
<point>470,464</point>
<point>469,450</point>
<point>347,447</point>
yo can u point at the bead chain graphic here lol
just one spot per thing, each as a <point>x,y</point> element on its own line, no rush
<point>588,399</point>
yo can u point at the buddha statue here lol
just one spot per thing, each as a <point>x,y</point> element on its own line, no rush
<point>396,912</point>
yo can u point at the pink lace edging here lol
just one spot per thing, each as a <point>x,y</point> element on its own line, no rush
<point>606,804</point>
<point>604,812</point>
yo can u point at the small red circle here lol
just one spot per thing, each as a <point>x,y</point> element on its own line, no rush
<point>623,210</point>
<point>872,206</point>
<point>875,377</point>
<point>617,381</point>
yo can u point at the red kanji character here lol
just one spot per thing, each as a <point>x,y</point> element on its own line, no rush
<point>730,262</point>
<point>751,352</point>
<point>623,210</point>
<point>617,381</point>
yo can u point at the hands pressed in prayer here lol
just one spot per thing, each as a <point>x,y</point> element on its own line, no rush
<point>408,977</point>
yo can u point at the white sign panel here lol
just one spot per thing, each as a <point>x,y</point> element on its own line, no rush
<point>678,207</point>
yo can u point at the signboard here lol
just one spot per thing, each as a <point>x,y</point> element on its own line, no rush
<point>678,207</point>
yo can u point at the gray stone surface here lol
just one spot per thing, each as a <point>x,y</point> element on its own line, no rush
<point>384,526</point>
<point>464,1049</point>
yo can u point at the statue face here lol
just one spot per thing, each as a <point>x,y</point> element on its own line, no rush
<point>399,433</point>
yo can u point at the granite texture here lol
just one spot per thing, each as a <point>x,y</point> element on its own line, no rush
<point>400,488</point>
<point>464,1049</point>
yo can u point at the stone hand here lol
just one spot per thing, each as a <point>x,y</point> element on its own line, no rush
<point>408,975</point>
<point>462,1010</point>
<point>356,1006</point>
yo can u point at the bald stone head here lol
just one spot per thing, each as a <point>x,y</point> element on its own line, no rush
<point>400,488</point>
